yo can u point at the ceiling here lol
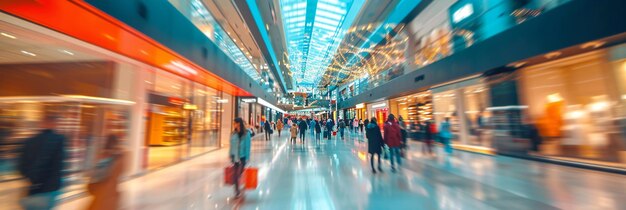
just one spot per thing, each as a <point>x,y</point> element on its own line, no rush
<point>22,46</point>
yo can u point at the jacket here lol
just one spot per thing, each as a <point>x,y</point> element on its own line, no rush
<point>342,124</point>
<point>267,126</point>
<point>279,125</point>
<point>240,147</point>
<point>329,125</point>
<point>294,131</point>
<point>393,135</point>
<point>302,126</point>
<point>444,130</point>
<point>105,192</point>
<point>374,139</point>
<point>42,161</point>
<point>313,124</point>
<point>318,128</point>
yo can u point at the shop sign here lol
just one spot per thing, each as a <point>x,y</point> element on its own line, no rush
<point>419,78</point>
<point>176,101</point>
<point>462,13</point>
<point>189,106</point>
<point>249,100</point>
<point>360,106</point>
<point>379,105</point>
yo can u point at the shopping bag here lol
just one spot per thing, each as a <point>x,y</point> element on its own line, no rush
<point>251,179</point>
<point>334,133</point>
<point>228,175</point>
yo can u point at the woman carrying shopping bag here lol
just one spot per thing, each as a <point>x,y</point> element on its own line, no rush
<point>239,151</point>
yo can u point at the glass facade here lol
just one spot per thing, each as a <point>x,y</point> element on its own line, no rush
<point>161,118</point>
<point>577,105</point>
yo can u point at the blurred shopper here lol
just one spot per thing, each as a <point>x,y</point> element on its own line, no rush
<point>318,131</point>
<point>279,126</point>
<point>393,139</point>
<point>268,130</point>
<point>239,151</point>
<point>329,128</point>
<point>532,133</point>
<point>313,124</point>
<point>446,134</point>
<point>355,125</point>
<point>6,129</point>
<point>366,122</point>
<point>106,176</point>
<point>294,132</point>
<point>361,125</point>
<point>404,133</point>
<point>342,126</point>
<point>302,128</point>
<point>42,162</point>
<point>430,131</point>
<point>374,143</point>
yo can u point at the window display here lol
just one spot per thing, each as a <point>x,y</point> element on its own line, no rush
<point>575,107</point>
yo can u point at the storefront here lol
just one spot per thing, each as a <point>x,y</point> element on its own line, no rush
<point>160,117</point>
<point>379,110</point>
<point>578,106</point>
<point>415,109</point>
<point>465,104</point>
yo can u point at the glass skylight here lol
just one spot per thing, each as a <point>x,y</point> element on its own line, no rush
<point>314,29</point>
<point>198,14</point>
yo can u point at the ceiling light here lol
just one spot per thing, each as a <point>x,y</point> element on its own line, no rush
<point>8,35</point>
<point>66,52</point>
<point>552,55</point>
<point>593,44</point>
<point>516,64</point>
<point>29,53</point>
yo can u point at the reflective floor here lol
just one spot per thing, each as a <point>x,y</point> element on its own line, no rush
<point>335,174</point>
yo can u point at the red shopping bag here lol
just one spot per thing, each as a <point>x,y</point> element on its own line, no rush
<point>334,133</point>
<point>251,179</point>
<point>228,175</point>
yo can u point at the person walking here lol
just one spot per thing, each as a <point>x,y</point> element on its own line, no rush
<point>239,151</point>
<point>342,126</point>
<point>294,132</point>
<point>268,130</point>
<point>103,185</point>
<point>279,126</point>
<point>302,128</point>
<point>393,139</point>
<point>355,125</point>
<point>430,130</point>
<point>329,128</point>
<point>446,135</point>
<point>361,125</point>
<point>366,122</point>
<point>313,124</point>
<point>318,131</point>
<point>41,163</point>
<point>374,143</point>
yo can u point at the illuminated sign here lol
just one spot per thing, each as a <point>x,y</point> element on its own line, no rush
<point>176,101</point>
<point>462,13</point>
<point>383,104</point>
<point>189,106</point>
<point>360,106</point>
<point>248,100</point>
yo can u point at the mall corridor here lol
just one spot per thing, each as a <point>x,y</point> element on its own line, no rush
<point>335,175</point>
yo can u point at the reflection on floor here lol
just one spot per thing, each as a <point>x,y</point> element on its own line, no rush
<point>335,174</point>
<point>163,156</point>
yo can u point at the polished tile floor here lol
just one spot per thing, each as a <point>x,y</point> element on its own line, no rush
<point>335,174</point>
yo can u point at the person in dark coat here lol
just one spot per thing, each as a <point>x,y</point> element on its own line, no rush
<point>393,139</point>
<point>329,128</point>
<point>302,126</point>
<point>42,163</point>
<point>268,130</point>
<point>318,130</point>
<point>374,143</point>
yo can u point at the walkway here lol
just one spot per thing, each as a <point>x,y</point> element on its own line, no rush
<point>336,175</point>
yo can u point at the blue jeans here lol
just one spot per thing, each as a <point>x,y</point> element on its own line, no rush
<point>341,132</point>
<point>446,145</point>
<point>41,201</point>
<point>395,154</point>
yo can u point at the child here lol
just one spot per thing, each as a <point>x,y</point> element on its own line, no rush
<point>294,132</point>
